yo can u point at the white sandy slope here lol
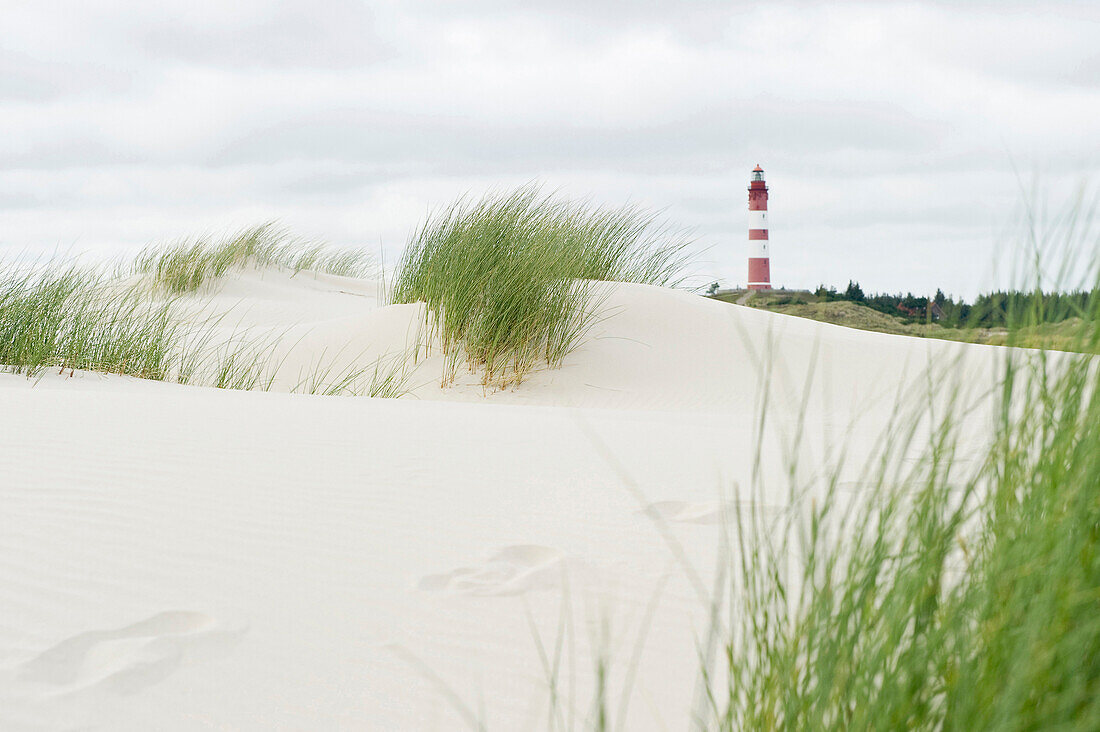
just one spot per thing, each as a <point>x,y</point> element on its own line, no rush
<point>177,557</point>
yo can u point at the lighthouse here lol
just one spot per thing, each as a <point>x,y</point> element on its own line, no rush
<point>759,267</point>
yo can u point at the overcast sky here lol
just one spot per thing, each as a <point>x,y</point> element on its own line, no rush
<point>895,136</point>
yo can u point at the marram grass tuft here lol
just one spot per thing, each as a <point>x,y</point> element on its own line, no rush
<point>185,266</point>
<point>510,281</point>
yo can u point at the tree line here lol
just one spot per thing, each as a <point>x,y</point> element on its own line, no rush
<point>999,309</point>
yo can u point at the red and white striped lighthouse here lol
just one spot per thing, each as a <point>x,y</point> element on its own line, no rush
<point>759,266</point>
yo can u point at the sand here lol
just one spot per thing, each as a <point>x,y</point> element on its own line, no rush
<point>177,557</point>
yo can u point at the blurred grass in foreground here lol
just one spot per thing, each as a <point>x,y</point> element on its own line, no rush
<point>951,596</point>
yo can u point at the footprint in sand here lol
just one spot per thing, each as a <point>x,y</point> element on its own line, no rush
<point>128,659</point>
<point>510,571</point>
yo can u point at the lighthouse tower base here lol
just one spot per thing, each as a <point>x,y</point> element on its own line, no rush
<point>759,274</point>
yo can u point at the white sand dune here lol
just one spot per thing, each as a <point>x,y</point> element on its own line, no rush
<point>176,557</point>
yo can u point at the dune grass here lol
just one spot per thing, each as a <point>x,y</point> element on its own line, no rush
<point>509,281</point>
<point>83,319</point>
<point>65,318</point>
<point>386,377</point>
<point>249,361</point>
<point>185,266</point>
